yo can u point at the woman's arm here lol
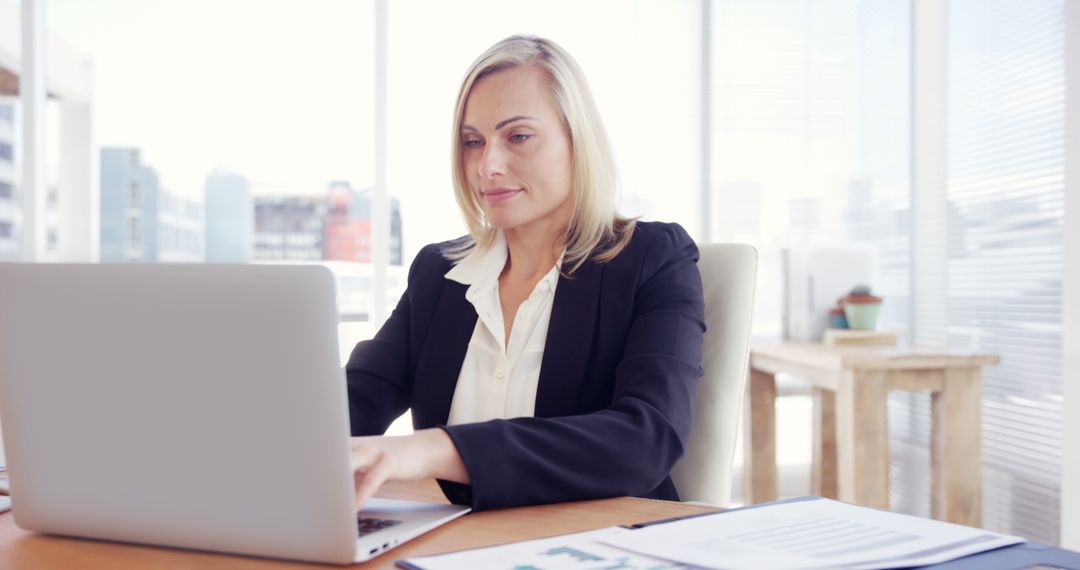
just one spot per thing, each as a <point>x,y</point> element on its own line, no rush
<point>379,373</point>
<point>379,379</point>
<point>423,454</point>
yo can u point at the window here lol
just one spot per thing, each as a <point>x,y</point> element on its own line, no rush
<point>648,60</point>
<point>135,238</point>
<point>810,136</point>
<point>179,157</point>
<point>1005,194</point>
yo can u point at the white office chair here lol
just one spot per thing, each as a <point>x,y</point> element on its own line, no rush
<point>728,274</point>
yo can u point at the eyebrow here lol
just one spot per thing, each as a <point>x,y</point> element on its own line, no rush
<point>503,122</point>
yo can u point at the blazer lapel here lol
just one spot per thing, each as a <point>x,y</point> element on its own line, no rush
<point>443,353</point>
<point>569,340</point>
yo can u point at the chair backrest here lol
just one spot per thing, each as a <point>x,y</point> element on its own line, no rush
<point>728,275</point>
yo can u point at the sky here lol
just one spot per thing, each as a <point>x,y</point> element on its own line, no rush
<point>279,92</point>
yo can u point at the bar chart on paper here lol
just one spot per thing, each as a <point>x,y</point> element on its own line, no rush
<point>579,551</point>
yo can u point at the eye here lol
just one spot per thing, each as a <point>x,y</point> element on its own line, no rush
<point>520,137</point>
<point>472,143</point>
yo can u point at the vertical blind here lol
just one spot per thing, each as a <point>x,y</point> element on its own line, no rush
<point>987,261</point>
<point>1005,194</point>
<point>999,263</point>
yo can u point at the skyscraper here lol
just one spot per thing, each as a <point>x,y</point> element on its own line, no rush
<point>230,218</point>
<point>140,222</point>
<point>9,205</point>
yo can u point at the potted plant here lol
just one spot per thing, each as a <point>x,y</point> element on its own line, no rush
<point>861,308</point>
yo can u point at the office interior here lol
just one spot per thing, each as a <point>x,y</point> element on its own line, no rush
<point>941,136</point>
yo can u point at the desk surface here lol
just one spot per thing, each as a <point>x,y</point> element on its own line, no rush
<point>828,357</point>
<point>23,549</point>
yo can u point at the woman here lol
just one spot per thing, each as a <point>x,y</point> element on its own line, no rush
<point>552,354</point>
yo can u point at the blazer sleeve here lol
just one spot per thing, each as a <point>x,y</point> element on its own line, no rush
<point>378,374</point>
<point>628,448</point>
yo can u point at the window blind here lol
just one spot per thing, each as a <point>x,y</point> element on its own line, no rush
<point>1003,259</point>
<point>969,239</point>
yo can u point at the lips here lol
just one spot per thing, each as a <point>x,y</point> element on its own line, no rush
<point>493,195</point>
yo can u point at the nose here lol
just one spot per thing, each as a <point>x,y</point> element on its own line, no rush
<point>492,162</point>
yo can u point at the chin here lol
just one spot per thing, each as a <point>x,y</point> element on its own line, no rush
<point>500,221</point>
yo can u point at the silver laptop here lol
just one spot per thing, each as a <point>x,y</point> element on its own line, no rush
<point>196,406</point>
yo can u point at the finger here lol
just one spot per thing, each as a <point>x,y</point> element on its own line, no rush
<point>368,481</point>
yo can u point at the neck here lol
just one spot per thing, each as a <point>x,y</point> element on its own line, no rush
<point>532,251</point>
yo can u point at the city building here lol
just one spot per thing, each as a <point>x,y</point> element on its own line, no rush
<point>335,226</point>
<point>289,228</point>
<point>57,203</point>
<point>11,207</point>
<point>348,225</point>
<point>230,217</point>
<point>141,222</point>
<point>180,229</point>
<point>10,210</point>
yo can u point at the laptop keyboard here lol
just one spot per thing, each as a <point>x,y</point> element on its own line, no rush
<point>368,525</point>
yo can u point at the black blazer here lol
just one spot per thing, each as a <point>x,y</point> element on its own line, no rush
<point>615,397</point>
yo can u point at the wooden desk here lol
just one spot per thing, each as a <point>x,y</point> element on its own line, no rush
<point>851,427</point>
<point>22,549</point>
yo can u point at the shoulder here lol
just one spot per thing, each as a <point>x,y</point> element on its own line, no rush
<point>432,258</point>
<point>660,234</point>
<point>655,253</point>
<point>436,255</point>
<point>656,245</point>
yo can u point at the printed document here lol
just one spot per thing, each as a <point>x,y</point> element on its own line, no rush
<point>815,533</point>
<point>580,551</point>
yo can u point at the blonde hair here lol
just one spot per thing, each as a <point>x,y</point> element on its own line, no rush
<point>596,230</point>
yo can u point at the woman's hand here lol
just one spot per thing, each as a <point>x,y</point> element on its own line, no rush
<point>426,453</point>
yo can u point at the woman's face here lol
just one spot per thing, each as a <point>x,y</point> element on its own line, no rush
<point>516,153</point>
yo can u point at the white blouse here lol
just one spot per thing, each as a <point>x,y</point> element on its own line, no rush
<point>498,380</point>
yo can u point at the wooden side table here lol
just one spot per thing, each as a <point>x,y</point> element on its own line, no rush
<point>851,427</point>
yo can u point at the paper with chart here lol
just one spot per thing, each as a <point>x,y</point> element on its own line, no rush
<point>815,533</point>
<point>581,551</point>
